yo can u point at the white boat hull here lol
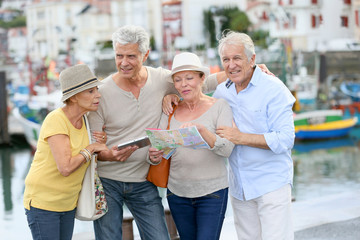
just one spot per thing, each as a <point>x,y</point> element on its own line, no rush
<point>31,130</point>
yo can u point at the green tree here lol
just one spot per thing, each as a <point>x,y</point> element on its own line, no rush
<point>209,29</point>
<point>19,21</point>
<point>232,19</point>
<point>235,20</point>
<point>260,38</point>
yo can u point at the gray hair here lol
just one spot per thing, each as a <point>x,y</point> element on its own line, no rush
<point>132,34</point>
<point>236,38</point>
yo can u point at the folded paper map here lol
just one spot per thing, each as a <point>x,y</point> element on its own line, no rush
<point>169,140</point>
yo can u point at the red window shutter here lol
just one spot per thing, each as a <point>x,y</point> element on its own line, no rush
<point>264,15</point>
<point>344,21</point>
<point>314,1</point>
<point>357,17</point>
<point>313,21</point>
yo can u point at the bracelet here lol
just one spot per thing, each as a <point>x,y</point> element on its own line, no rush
<point>86,154</point>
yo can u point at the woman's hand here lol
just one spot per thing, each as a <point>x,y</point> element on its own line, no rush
<point>208,136</point>
<point>97,147</point>
<point>99,136</point>
<point>168,101</point>
<point>155,155</point>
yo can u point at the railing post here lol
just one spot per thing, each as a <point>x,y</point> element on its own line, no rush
<point>171,225</point>
<point>128,231</point>
<point>127,228</point>
<point>4,132</point>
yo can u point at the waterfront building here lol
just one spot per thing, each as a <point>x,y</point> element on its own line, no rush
<point>315,25</point>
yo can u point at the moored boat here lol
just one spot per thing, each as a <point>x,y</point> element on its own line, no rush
<point>351,89</point>
<point>31,129</point>
<point>318,116</point>
<point>331,129</point>
<point>32,114</point>
<point>322,124</point>
<point>349,110</point>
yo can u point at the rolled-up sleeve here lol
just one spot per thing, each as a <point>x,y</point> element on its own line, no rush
<point>281,136</point>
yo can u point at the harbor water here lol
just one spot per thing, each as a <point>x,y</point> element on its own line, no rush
<point>322,168</point>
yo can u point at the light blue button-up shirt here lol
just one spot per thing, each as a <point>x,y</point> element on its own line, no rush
<point>263,107</point>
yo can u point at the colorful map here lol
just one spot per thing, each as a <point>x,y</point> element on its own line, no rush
<point>169,140</point>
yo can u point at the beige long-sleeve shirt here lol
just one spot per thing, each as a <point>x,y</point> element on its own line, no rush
<point>197,172</point>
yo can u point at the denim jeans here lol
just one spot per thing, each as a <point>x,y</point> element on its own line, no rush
<point>199,218</point>
<point>49,225</point>
<point>144,203</point>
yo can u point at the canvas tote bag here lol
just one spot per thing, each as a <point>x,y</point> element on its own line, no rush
<point>92,202</point>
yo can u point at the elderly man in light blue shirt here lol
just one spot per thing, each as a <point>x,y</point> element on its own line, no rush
<point>261,168</point>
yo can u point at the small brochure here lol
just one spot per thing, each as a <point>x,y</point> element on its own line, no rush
<point>169,140</point>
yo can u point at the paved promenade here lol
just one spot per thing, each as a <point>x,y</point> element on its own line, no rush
<point>334,217</point>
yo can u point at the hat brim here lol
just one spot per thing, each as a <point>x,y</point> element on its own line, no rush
<point>205,70</point>
<point>83,88</point>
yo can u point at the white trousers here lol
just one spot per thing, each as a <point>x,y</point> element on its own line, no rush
<point>264,218</point>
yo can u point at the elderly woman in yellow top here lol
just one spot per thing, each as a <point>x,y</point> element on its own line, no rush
<point>198,182</point>
<point>63,153</point>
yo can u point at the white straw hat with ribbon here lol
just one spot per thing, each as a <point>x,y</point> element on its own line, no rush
<point>187,61</point>
<point>76,79</point>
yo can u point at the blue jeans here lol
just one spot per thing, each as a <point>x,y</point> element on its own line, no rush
<point>199,218</point>
<point>50,225</point>
<point>144,203</point>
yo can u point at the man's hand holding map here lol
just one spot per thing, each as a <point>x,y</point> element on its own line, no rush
<point>169,140</point>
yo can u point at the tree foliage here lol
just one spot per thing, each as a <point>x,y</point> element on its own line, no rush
<point>231,18</point>
<point>19,21</point>
<point>260,38</point>
<point>236,20</point>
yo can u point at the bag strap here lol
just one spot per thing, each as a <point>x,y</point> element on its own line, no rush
<point>169,120</point>
<point>94,156</point>
<point>170,116</point>
<point>87,128</point>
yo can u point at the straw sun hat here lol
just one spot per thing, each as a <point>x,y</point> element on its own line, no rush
<point>76,79</point>
<point>188,62</point>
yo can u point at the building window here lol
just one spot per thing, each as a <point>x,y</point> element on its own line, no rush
<point>293,22</point>
<point>40,15</point>
<point>286,25</point>
<point>344,21</point>
<point>265,16</point>
<point>316,21</point>
<point>357,17</point>
<point>290,2</point>
<point>281,3</point>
